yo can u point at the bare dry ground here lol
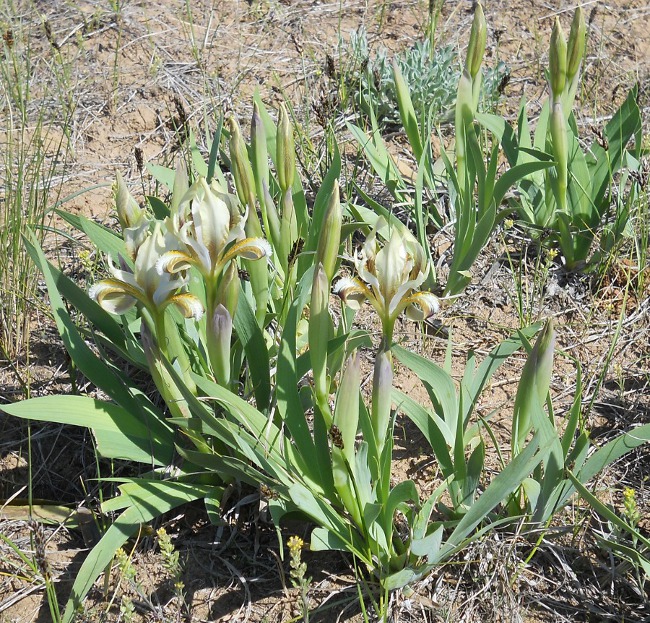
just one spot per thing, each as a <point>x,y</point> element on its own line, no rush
<point>139,77</point>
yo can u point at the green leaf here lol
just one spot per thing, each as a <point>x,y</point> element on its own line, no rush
<point>257,355</point>
<point>497,491</point>
<point>98,317</point>
<point>399,579</point>
<point>438,383</point>
<point>120,434</point>
<point>164,175</point>
<point>326,540</point>
<point>106,240</point>
<point>614,450</point>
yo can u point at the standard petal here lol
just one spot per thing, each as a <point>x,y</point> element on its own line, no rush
<point>211,216</point>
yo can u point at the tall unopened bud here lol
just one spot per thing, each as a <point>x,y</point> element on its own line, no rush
<point>382,385</point>
<point>259,153</point>
<point>477,41</point>
<point>557,60</point>
<point>346,411</point>
<point>241,166</point>
<point>576,45</point>
<point>229,287</point>
<point>219,334</point>
<point>181,185</point>
<point>319,331</point>
<point>129,212</point>
<point>286,151</point>
<point>534,384</point>
<point>330,234</point>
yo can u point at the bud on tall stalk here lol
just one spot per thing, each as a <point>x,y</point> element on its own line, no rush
<point>477,42</point>
<point>319,333</point>
<point>181,185</point>
<point>241,168</point>
<point>557,61</point>
<point>259,153</point>
<point>229,287</point>
<point>382,386</point>
<point>533,385</point>
<point>286,151</point>
<point>346,411</point>
<point>330,234</point>
<point>245,184</point>
<point>464,114</point>
<point>218,336</point>
<point>575,54</point>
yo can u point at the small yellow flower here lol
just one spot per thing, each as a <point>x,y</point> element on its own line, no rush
<point>552,254</point>
<point>295,544</point>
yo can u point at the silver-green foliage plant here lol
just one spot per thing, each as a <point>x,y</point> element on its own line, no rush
<point>432,75</point>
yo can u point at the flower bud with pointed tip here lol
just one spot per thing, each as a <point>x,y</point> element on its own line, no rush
<point>286,151</point>
<point>576,44</point>
<point>129,212</point>
<point>477,42</point>
<point>259,151</point>
<point>218,335</point>
<point>557,61</point>
<point>346,411</point>
<point>181,184</point>
<point>318,332</point>
<point>241,166</point>
<point>229,287</point>
<point>329,240</point>
<point>133,219</point>
<point>533,385</point>
<point>382,386</point>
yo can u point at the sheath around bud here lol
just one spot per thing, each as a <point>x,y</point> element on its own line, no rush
<point>286,151</point>
<point>477,42</point>
<point>346,411</point>
<point>241,166</point>
<point>576,44</point>
<point>319,332</point>
<point>219,334</point>
<point>382,386</point>
<point>329,240</point>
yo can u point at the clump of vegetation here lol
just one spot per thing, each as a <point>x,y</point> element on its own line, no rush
<point>431,73</point>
